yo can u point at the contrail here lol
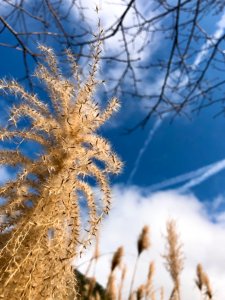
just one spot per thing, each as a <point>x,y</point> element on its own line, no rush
<point>151,134</point>
<point>218,167</point>
<point>180,178</point>
<point>205,48</point>
<point>196,177</point>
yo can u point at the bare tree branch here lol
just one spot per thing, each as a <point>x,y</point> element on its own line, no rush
<point>188,74</point>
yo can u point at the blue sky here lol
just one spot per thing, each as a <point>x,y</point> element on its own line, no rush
<point>179,145</point>
<point>176,148</point>
<point>187,147</point>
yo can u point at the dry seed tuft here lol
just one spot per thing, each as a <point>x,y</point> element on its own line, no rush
<point>174,258</point>
<point>42,227</point>
<point>117,257</point>
<point>123,275</point>
<point>141,292</point>
<point>143,240</point>
<point>149,284</point>
<point>203,282</point>
<point>111,289</point>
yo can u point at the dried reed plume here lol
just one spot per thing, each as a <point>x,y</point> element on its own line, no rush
<point>111,290</point>
<point>203,283</point>
<point>174,258</point>
<point>41,227</point>
<point>143,243</point>
<point>116,288</point>
<point>123,275</point>
<point>117,257</point>
<point>141,292</point>
<point>150,293</point>
<point>116,262</point>
<point>143,240</point>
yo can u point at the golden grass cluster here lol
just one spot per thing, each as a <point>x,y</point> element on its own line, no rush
<point>41,226</point>
<point>116,289</point>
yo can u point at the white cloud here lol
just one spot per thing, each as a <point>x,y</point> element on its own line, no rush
<point>203,240</point>
<point>4,175</point>
<point>110,12</point>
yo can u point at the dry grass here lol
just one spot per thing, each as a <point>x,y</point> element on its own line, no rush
<point>174,264</point>
<point>42,228</point>
<point>203,283</point>
<point>174,258</point>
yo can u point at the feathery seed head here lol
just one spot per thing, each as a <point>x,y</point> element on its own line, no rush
<point>149,284</point>
<point>151,271</point>
<point>140,292</point>
<point>203,282</point>
<point>44,235</point>
<point>174,254</point>
<point>143,240</point>
<point>111,289</point>
<point>200,276</point>
<point>117,257</point>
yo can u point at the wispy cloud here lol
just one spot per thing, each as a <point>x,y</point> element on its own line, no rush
<point>4,175</point>
<point>131,47</point>
<point>109,14</point>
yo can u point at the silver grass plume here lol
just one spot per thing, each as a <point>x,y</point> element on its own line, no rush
<point>39,240</point>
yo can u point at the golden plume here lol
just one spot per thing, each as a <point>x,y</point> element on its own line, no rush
<point>41,222</point>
